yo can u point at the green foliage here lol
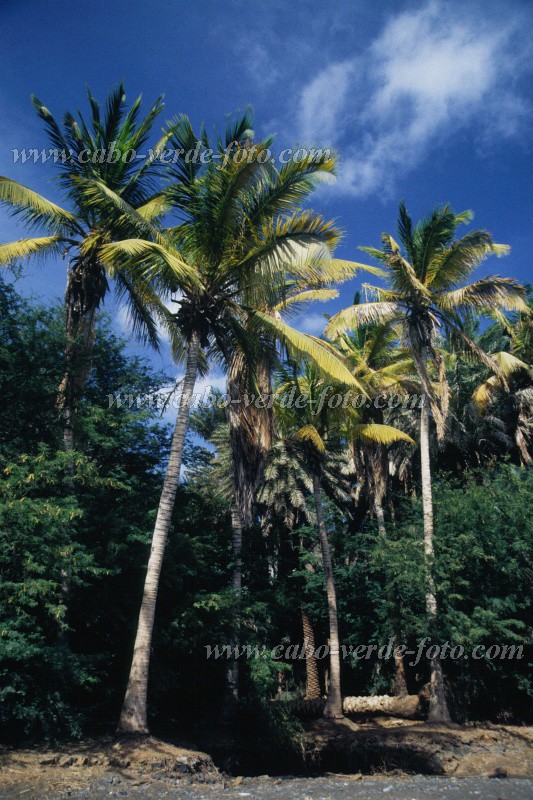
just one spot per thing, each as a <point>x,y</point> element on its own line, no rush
<point>75,536</point>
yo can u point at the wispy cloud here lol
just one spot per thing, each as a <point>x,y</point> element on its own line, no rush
<point>428,75</point>
<point>323,102</point>
<point>311,323</point>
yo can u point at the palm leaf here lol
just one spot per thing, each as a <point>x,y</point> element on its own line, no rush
<point>362,314</point>
<point>308,433</point>
<point>149,259</point>
<point>34,208</point>
<point>375,433</point>
<point>487,294</point>
<point>299,344</point>
<point>307,296</point>
<point>15,251</point>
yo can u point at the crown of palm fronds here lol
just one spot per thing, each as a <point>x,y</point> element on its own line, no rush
<point>421,297</point>
<point>97,179</point>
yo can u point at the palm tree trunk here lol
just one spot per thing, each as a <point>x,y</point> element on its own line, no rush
<point>438,707</point>
<point>133,718</point>
<point>83,294</point>
<point>86,287</point>
<point>333,707</point>
<point>399,685</point>
<point>312,681</point>
<point>231,696</point>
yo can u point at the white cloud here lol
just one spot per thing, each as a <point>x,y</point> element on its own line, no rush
<point>322,102</point>
<point>429,74</point>
<point>311,323</point>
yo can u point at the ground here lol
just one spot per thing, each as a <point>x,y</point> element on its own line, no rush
<point>485,762</point>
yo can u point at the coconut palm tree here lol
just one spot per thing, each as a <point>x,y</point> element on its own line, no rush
<point>99,149</point>
<point>372,354</point>
<point>240,233</point>
<point>251,425</point>
<point>318,430</point>
<point>423,298</point>
<point>284,494</point>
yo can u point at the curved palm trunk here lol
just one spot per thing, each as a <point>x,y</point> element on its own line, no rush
<point>333,707</point>
<point>438,707</point>
<point>133,718</point>
<point>231,695</point>
<point>312,681</point>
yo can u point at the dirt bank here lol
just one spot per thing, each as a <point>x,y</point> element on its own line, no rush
<point>418,747</point>
<point>383,750</point>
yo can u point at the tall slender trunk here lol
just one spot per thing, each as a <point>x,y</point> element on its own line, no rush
<point>312,680</point>
<point>133,718</point>
<point>83,294</point>
<point>399,684</point>
<point>231,695</point>
<point>438,707</point>
<point>86,287</point>
<point>250,427</point>
<point>333,707</point>
<point>380,516</point>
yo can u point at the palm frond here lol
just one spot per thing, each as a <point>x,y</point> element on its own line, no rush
<point>299,344</point>
<point>487,294</point>
<point>456,262</point>
<point>149,259</point>
<point>308,433</point>
<point>34,208</point>
<point>362,314</point>
<point>374,433</point>
<point>15,251</point>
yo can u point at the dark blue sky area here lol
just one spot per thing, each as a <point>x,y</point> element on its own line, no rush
<point>426,101</point>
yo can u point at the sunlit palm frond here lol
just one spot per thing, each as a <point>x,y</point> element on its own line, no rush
<point>299,344</point>
<point>34,208</point>
<point>43,245</point>
<point>340,270</point>
<point>308,433</point>
<point>279,192</point>
<point>374,433</point>
<point>486,294</point>
<point>308,296</point>
<point>149,259</point>
<point>154,208</point>
<point>456,262</point>
<point>484,394</point>
<point>362,314</point>
<point>118,212</point>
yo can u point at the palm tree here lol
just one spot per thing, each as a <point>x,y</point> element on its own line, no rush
<point>311,279</point>
<point>423,298</point>
<point>239,234</point>
<point>318,430</point>
<point>371,353</point>
<point>284,495</point>
<point>97,150</point>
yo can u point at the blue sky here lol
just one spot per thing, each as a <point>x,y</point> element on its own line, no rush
<point>427,101</point>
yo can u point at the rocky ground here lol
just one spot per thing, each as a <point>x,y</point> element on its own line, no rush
<point>419,747</point>
<point>488,762</point>
<point>385,787</point>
